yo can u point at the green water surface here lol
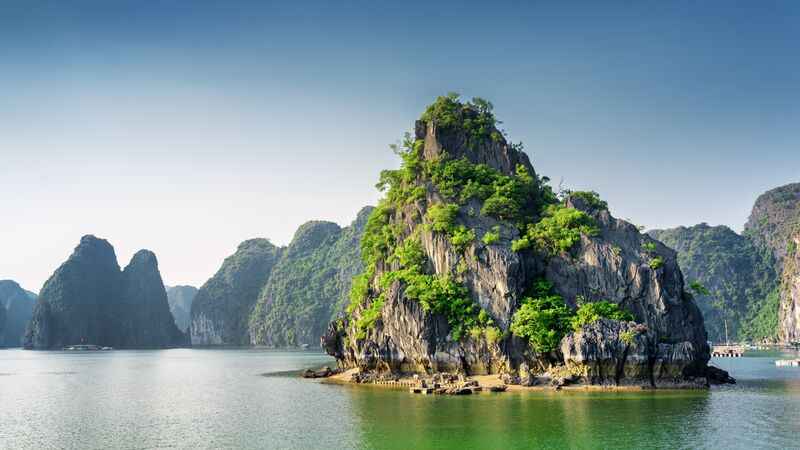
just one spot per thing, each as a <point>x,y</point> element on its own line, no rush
<point>250,399</point>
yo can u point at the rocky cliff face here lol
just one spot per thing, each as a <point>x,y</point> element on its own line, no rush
<point>465,230</point>
<point>772,220</point>
<point>89,299</point>
<point>789,325</point>
<point>309,285</point>
<point>3,319</point>
<point>221,310</point>
<point>17,305</point>
<point>180,299</point>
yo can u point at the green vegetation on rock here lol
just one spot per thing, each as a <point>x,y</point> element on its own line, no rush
<point>588,313</point>
<point>544,319</point>
<point>559,229</point>
<point>519,199</point>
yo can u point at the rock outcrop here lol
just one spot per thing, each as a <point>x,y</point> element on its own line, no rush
<point>411,318</point>
<point>89,299</point>
<point>180,299</point>
<point>618,353</point>
<point>772,220</point>
<point>16,305</point>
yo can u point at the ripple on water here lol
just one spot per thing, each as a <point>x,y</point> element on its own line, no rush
<point>254,398</point>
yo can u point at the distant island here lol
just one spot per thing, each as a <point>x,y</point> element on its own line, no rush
<point>750,278</point>
<point>89,300</point>
<point>280,297</point>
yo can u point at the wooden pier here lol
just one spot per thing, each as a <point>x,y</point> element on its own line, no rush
<point>728,351</point>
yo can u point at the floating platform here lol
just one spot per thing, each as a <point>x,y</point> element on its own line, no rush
<point>787,362</point>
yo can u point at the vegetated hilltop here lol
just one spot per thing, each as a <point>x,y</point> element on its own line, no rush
<point>221,310</point>
<point>280,297</point>
<point>90,300</point>
<point>16,305</point>
<point>309,286</point>
<point>474,265</point>
<point>743,273</point>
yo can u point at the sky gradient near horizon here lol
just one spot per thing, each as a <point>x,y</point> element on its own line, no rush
<point>187,127</point>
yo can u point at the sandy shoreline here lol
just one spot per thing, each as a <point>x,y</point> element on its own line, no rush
<point>486,381</point>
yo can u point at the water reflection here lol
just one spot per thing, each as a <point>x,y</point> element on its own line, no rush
<point>219,399</point>
<point>397,419</point>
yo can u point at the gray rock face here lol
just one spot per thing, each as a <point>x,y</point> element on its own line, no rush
<point>458,144</point>
<point>147,321</point>
<point>789,326</point>
<point>618,353</point>
<point>89,299</point>
<point>2,320</point>
<point>611,266</point>
<point>18,305</point>
<point>180,300</point>
<point>221,310</point>
<point>410,340</point>
<point>772,220</point>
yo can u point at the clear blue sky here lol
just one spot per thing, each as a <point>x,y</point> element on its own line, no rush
<point>186,127</point>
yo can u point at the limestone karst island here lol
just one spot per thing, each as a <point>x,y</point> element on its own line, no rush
<point>247,225</point>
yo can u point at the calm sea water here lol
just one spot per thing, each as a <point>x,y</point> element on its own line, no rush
<point>251,399</point>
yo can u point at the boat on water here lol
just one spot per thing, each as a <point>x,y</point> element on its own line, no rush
<point>727,350</point>
<point>497,388</point>
<point>87,347</point>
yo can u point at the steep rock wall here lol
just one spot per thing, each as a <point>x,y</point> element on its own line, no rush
<point>612,265</point>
